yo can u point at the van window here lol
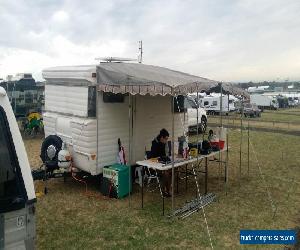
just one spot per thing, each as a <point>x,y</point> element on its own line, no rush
<point>11,187</point>
<point>206,103</point>
<point>191,103</point>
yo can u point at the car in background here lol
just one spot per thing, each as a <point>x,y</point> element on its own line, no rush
<point>251,110</point>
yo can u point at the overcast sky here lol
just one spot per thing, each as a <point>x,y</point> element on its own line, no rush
<point>226,40</point>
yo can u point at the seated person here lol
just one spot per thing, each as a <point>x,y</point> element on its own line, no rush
<point>159,149</point>
<point>211,136</point>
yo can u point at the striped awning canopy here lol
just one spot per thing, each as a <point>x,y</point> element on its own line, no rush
<point>137,78</point>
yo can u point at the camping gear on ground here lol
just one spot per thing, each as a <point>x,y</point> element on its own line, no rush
<point>194,206</point>
<point>116,182</point>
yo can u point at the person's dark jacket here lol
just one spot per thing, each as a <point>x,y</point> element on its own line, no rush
<point>158,149</point>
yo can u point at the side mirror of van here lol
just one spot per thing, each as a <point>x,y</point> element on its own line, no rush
<point>18,200</point>
<point>17,203</point>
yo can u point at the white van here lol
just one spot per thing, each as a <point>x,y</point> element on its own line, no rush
<point>191,107</point>
<point>17,196</point>
<point>264,101</point>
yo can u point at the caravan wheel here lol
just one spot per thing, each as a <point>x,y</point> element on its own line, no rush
<point>49,151</point>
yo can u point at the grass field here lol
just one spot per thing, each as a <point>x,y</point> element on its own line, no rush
<point>69,218</point>
<point>285,119</point>
<point>287,115</point>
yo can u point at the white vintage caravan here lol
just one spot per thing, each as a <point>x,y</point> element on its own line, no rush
<point>212,103</point>
<point>90,107</point>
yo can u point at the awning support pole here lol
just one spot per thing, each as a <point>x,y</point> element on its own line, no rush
<point>173,139</point>
<point>220,130</point>
<point>97,124</point>
<point>241,140</point>
<point>248,148</point>
<point>129,146</point>
<point>221,104</point>
<point>197,120</point>
<point>227,160</point>
<point>198,190</point>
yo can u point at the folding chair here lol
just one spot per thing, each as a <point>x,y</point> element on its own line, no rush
<point>151,174</point>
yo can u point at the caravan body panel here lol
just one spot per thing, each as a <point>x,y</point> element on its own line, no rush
<point>113,123</point>
<point>70,100</point>
<point>151,115</point>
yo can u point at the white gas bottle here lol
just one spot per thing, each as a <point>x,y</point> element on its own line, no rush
<point>64,157</point>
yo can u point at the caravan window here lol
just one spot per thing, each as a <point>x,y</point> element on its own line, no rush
<point>10,185</point>
<point>206,103</point>
<point>92,102</point>
<point>215,103</point>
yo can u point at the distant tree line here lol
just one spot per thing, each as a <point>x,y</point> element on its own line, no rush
<point>246,85</point>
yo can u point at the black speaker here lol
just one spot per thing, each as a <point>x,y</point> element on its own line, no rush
<point>179,104</point>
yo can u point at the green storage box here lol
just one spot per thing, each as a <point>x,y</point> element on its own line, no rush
<point>116,181</point>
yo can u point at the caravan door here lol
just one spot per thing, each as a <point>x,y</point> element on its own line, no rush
<point>17,213</point>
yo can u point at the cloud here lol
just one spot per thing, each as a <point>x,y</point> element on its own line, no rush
<point>223,40</point>
<point>60,16</point>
